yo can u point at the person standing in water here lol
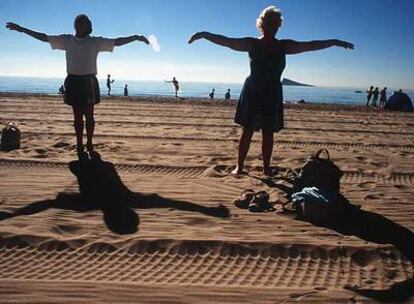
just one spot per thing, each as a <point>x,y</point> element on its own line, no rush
<point>383,98</point>
<point>81,84</point>
<point>369,94</point>
<point>260,104</point>
<point>227,95</point>
<point>176,85</point>
<point>126,90</point>
<point>109,83</point>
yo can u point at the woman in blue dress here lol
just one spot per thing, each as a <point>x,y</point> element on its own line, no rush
<point>260,105</point>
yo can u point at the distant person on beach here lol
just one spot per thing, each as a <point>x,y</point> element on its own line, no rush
<point>126,90</point>
<point>227,95</point>
<point>375,95</point>
<point>212,94</point>
<point>383,97</point>
<point>369,94</point>
<point>81,85</point>
<point>176,85</point>
<point>61,89</point>
<point>260,104</point>
<point>109,83</point>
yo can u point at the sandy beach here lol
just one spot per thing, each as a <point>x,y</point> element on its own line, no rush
<point>181,239</point>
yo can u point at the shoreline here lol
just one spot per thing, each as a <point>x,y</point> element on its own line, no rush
<point>199,101</point>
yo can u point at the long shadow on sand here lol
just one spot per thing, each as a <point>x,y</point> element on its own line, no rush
<point>350,219</point>
<point>101,188</point>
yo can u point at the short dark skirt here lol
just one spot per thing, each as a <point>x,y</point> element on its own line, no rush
<point>81,90</point>
<point>260,105</point>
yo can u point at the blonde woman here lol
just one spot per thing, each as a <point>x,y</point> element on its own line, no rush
<point>260,105</point>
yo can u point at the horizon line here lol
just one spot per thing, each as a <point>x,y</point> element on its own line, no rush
<point>200,81</point>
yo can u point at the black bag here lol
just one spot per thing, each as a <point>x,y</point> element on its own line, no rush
<point>323,174</point>
<point>10,138</point>
<point>318,172</point>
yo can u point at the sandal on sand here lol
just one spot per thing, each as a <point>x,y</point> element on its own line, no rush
<point>261,203</point>
<point>245,198</point>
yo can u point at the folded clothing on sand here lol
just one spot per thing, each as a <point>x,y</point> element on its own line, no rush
<point>314,195</point>
<point>314,205</point>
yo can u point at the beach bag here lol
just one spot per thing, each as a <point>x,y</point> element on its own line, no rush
<point>10,138</point>
<point>318,172</point>
<point>324,175</point>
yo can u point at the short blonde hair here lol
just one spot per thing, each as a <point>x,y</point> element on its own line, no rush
<point>266,14</point>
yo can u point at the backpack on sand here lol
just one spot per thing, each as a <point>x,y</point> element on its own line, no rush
<point>318,172</point>
<point>323,174</point>
<point>10,137</point>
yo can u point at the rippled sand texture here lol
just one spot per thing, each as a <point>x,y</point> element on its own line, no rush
<point>158,224</point>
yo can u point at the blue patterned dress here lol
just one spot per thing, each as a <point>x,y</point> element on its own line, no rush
<point>260,104</point>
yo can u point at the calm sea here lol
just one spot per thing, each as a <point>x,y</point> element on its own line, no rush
<point>189,89</point>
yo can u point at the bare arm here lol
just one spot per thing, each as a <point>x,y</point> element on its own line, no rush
<point>297,47</point>
<point>237,44</point>
<point>125,40</point>
<point>15,27</point>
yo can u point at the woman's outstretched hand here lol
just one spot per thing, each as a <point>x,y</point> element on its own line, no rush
<point>142,39</point>
<point>344,44</point>
<point>196,36</point>
<point>14,27</point>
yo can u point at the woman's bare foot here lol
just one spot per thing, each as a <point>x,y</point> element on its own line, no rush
<point>80,151</point>
<point>269,171</point>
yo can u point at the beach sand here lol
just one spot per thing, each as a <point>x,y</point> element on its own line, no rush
<point>178,245</point>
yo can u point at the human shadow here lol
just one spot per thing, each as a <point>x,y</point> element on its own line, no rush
<point>101,188</point>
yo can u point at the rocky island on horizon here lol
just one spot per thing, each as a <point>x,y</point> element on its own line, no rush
<point>288,82</point>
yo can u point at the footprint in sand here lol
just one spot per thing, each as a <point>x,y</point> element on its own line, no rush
<point>365,258</point>
<point>61,144</point>
<point>373,196</point>
<point>217,171</point>
<point>41,151</point>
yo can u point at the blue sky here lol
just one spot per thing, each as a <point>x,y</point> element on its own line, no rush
<point>382,31</point>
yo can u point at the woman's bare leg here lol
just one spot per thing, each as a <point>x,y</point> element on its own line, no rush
<point>90,127</point>
<point>78,124</point>
<point>244,145</point>
<point>267,149</point>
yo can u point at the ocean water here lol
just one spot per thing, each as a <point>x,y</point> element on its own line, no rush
<point>190,89</point>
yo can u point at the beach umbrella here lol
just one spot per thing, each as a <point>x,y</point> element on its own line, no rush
<point>399,102</point>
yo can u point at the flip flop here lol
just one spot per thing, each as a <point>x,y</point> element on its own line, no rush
<point>245,198</point>
<point>261,203</point>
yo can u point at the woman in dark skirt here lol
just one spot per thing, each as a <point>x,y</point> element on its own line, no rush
<point>81,85</point>
<point>260,105</point>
